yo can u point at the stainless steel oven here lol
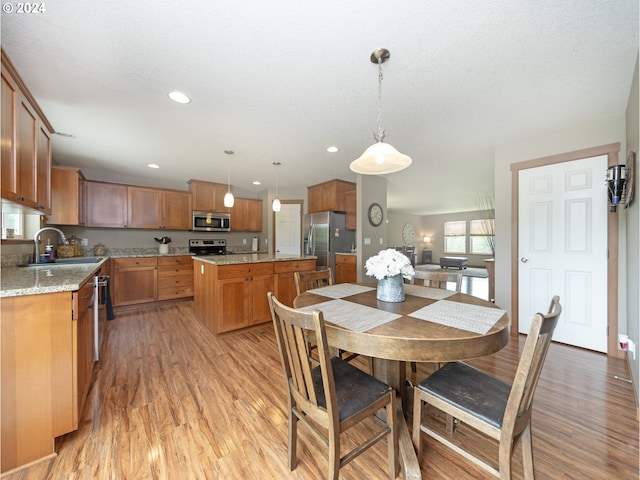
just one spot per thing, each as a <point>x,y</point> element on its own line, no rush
<point>211,222</point>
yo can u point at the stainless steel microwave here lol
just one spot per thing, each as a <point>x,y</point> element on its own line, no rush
<point>211,222</point>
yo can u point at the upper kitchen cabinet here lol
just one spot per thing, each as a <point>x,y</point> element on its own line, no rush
<point>26,144</point>
<point>106,204</point>
<point>329,196</point>
<point>246,215</point>
<point>176,209</point>
<point>208,196</point>
<point>67,196</point>
<point>131,206</point>
<point>350,207</point>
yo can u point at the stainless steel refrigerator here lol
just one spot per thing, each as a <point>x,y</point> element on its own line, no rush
<point>324,235</point>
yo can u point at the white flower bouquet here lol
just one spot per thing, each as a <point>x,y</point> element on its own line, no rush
<point>389,263</point>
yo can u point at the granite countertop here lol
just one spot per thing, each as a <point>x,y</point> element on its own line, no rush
<point>51,278</point>
<point>239,258</point>
<point>346,253</point>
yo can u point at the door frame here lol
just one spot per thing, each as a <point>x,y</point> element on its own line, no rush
<point>611,151</point>
<point>273,222</point>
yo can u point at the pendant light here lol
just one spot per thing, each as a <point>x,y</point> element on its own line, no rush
<point>380,158</point>
<point>228,197</point>
<point>275,206</point>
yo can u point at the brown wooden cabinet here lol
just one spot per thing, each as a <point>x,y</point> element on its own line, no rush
<point>26,144</point>
<point>346,271</point>
<point>329,196</point>
<point>106,204</point>
<point>175,277</point>
<point>135,280</point>
<point>284,281</point>
<point>176,210</point>
<point>67,196</point>
<point>47,369</point>
<point>144,207</point>
<point>350,203</point>
<point>246,215</point>
<point>208,196</point>
<point>83,316</point>
<point>118,206</point>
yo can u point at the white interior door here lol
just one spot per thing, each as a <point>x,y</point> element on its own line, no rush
<point>288,229</point>
<point>562,236</point>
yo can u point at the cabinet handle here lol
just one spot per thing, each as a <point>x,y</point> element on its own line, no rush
<point>87,296</point>
<point>20,199</point>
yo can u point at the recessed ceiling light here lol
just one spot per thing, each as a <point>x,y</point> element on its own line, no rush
<point>153,165</point>
<point>332,149</point>
<point>257,182</point>
<point>179,97</point>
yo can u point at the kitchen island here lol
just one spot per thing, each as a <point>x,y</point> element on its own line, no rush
<point>230,291</point>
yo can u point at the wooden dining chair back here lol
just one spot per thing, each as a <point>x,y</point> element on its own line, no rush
<point>438,279</point>
<point>332,396</point>
<point>495,408</point>
<point>310,280</point>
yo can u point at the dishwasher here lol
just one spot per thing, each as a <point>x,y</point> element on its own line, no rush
<point>102,311</point>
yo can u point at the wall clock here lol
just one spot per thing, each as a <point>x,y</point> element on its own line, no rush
<point>408,234</point>
<point>375,214</point>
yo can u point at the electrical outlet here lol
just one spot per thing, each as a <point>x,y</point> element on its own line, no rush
<point>367,241</point>
<point>84,242</point>
<point>244,241</point>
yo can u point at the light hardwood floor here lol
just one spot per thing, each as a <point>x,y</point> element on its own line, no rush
<point>170,401</point>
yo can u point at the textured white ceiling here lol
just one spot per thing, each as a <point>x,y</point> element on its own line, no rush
<point>283,80</point>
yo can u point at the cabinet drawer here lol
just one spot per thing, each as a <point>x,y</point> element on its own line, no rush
<point>167,293</point>
<point>294,266</point>
<point>244,270</point>
<point>346,259</point>
<point>170,271</point>
<point>177,280</point>
<point>135,262</point>
<point>174,261</point>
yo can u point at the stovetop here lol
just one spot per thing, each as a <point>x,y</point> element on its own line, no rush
<point>208,246</point>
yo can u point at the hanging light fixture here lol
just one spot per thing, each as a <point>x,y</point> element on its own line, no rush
<point>380,158</point>
<point>275,206</point>
<point>228,197</point>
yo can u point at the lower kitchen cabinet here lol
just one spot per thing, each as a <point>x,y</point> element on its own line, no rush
<point>284,280</point>
<point>47,368</point>
<point>135,280</point>
<point>346,271</point>
<point>175,277</point>
<point>231,297</point>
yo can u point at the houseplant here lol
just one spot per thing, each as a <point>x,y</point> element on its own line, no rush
<point>390,267</point>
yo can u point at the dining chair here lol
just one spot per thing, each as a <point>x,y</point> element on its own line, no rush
<point>495,408</point>
<point>310,280</point>
<point>331,397</point>
<point>318,279</point>
<point>438,279</point>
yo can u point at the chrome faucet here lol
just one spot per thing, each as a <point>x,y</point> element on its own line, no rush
<point>36,251</point>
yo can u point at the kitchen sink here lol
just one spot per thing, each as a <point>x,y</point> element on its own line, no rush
<point>66,261</point>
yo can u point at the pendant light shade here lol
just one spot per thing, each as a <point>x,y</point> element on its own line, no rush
<point>380,158</point>
<point>229,200</point>
<point>276,205</point>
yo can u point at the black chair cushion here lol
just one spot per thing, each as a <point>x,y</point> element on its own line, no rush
<point>355,389</point>
<point>471,390</point>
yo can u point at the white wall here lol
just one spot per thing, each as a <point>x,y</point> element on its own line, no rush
<point>633,235</point>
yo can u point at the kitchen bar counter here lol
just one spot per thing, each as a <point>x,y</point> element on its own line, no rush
<point>33,280</point>
<point>240,258</point>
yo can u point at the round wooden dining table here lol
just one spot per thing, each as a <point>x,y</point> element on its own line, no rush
<point>430,325</point>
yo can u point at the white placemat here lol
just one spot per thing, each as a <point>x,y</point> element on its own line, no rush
<point>340,290</point>
<point>427,292</point>
<point>352,316</point>
<point>474,318</point>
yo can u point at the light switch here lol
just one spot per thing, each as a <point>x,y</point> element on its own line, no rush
<point>367,241</point>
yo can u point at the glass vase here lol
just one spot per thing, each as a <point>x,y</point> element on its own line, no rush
<point>391,289</point>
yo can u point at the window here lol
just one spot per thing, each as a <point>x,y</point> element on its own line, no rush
<point>482,236</point>
<point>12,225</point>
<point>455,237</point>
